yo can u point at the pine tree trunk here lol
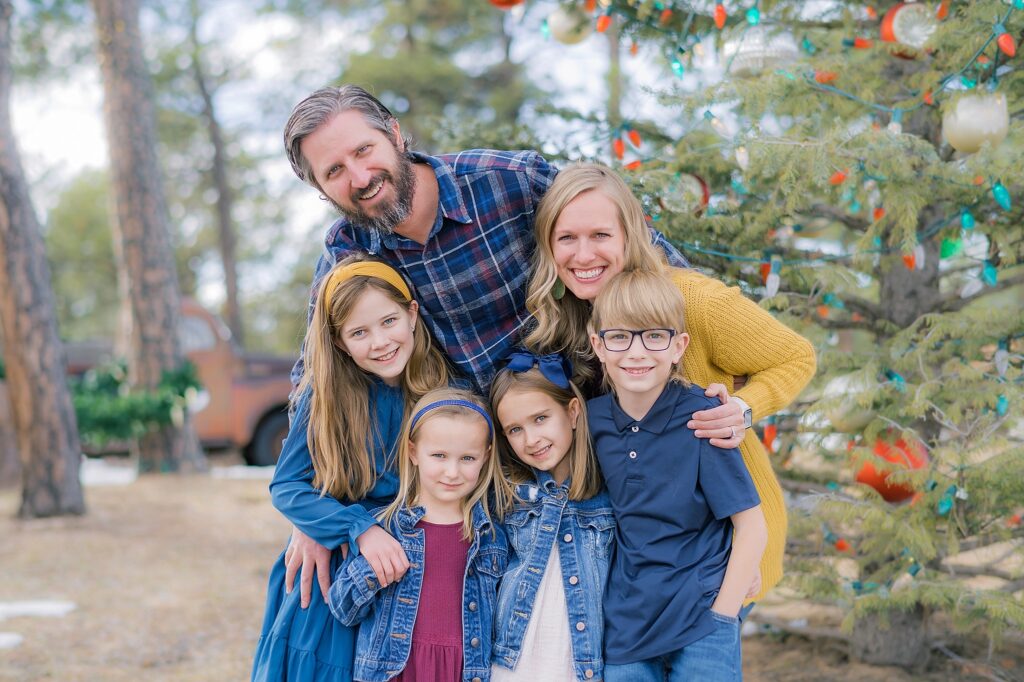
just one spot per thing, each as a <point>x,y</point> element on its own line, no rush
<point>44,420</point>
<point>142,235</point>
<point>10,468</point>
<point>225,197</point>
<point>897,638</point>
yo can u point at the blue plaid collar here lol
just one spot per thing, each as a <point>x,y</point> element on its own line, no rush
<point>450,203</point>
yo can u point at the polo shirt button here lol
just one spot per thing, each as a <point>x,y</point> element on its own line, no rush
<point>568,537</point>
<point>632,454</point>
<point>588,673</point>
<point>475,641</point>
<point>634,430</point>
<point>580,626</point>
<point>472,606</point>
<point>573,580</point>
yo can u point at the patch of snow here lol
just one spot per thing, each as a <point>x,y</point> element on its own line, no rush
<point>243,471</point>
<point>97,472</point>
<point>12,609</point>
<point>9,640</point>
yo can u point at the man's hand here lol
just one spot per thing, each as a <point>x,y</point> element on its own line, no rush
<point>306,554</point>
<point>384,553</point>
<point>722,424</point>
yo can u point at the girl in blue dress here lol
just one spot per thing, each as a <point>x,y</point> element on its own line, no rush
<point>366,359</point>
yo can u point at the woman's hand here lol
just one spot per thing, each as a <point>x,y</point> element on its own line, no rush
<point>384,553</point>
<point>722,424</point>
<point>306,555</point>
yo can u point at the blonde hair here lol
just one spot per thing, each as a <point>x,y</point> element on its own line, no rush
<point>490,479</point>
<point>640,299</point>
<point>339,408</point>
<point>584,472</point>
<point>560,326</point>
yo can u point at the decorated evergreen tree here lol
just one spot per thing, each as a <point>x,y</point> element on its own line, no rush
<point>855,168</point>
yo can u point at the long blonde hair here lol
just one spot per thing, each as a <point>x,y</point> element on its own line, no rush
<point>340,426</point>
<point>490,479</point>
<point>641,299</point>
<point>584,472</point>
<point>560,326</point>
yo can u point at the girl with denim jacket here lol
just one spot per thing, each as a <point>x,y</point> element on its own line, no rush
<point>549,620</point>
<point>366,359</point>
<point>435,624</point>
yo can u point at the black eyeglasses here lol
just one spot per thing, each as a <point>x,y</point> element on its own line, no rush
<point>618,340</point>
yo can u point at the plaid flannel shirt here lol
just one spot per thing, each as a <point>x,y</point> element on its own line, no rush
<point>470,276</point>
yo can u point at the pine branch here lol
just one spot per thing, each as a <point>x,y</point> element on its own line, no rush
<point>840,216</point>
<point>845,324</point>
<point>987,670</point>
<point>989,571</point>
<point>953,302</point>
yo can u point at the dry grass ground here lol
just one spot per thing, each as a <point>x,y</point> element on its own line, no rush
<point>168,575</point>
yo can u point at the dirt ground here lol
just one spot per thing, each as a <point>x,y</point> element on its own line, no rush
<point>168,575</point>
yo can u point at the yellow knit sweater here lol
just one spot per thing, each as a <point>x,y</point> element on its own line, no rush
<point>732,336</point>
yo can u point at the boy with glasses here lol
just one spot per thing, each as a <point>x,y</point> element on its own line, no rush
<point>679,574</point>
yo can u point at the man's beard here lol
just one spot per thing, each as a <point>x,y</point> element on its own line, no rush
<point>387,216</point>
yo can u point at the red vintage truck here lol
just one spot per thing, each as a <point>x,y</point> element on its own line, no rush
<point>244,400</point>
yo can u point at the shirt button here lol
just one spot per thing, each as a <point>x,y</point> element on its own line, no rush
<point>632,454</point>
<point>580,626</point>
<point>573,580</point>
<point>634,430</point>
<point>472,606</point>
<point>475,641</point>
<point>588,673</point>
<point>476,679</point>
<point>568,537</point>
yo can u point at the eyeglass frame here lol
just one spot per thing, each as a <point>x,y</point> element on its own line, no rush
<point>638,332</point>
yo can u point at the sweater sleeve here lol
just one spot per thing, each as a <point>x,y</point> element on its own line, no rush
<point>747,340</point>
<point>321,517</point>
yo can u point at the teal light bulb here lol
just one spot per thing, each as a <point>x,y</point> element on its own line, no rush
<point>1002,196</point>
<point>966,219</point>
<point>677,67</point>
<point>754,16</point>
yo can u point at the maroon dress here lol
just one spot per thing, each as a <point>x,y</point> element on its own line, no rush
<point>436,653</point>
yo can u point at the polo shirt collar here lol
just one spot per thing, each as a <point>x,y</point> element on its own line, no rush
<point>657,417</point>
<point>449,198</point>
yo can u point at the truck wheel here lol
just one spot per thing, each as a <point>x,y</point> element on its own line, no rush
<point>266,442</point>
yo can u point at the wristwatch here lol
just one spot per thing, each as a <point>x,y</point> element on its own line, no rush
<point>748,414</point>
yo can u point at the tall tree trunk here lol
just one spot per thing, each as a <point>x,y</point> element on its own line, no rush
<point>219,172</point>
<point>10,468</point>
<point>614,77</point>
<point>44,419</point>
<point>142,236</point>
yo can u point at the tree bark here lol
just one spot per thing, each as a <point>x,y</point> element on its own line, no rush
<point>40,405</point>
<point>225,197</point>
<point>142,240</point>
<point>895,638</point>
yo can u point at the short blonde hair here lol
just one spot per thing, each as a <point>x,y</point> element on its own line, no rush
<point>640,299</point>
<point>560,326</point>
<point>490,481</point>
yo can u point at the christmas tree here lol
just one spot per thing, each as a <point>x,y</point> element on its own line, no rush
<point>856,168</point>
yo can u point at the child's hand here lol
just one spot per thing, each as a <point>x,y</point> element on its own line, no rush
<point>755,587</point>
<point>308,555</point>
<point>384,554</point>
<point>722,424</point>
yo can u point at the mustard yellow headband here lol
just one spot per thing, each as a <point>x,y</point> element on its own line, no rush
<point>366,269</point>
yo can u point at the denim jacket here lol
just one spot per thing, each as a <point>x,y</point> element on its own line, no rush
<point>388,615</point>
<point>583,531</point>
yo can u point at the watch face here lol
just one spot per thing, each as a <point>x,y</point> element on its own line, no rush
<point>747,417</point>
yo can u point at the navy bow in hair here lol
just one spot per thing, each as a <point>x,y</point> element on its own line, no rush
<point>552,366</point>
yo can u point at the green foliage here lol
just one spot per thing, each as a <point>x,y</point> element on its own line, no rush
<point>933,354</point>
<point>107,411</point>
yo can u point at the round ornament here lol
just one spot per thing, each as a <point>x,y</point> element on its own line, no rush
<point>689,194</point>
<point>974,119</point>
<point>908,23</point>
<point>910,456</point>
<point>506,4</point>
<point>847,416</point>
<point>569,25</point>
<point>756,49</point>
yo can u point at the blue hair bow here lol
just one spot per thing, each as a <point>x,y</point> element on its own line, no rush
<point>554,367</point>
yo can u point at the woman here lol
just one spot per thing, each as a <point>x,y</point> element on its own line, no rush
<point>590,227</point>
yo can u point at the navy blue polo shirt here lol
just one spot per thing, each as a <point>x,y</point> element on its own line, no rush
<point>672,494</point>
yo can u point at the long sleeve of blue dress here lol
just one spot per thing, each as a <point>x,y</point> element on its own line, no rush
<point>325,519</point>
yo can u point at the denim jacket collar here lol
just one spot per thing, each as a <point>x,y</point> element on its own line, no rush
<point>408,517</point>
<point>547,482</point>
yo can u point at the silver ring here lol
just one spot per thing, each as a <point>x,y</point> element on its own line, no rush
<point>733,429</point>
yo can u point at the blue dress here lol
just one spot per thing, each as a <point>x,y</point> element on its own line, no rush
<point>310,645</point>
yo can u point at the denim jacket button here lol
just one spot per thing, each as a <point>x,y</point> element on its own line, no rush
<point>472,606</point>
<point>573,580</point>
<point>474,642</point>
<point>581,626</point>
<point>476,679</point>
<point>568,537</point>
<point>588,673</point>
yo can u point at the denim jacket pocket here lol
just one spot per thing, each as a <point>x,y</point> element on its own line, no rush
<point>491,562</point>
<point>520,527</point>
<point>598,532</point>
